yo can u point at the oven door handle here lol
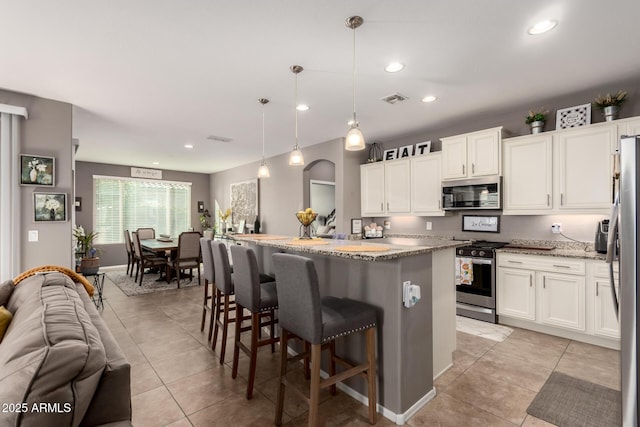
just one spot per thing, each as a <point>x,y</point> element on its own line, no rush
<point>479,261</point>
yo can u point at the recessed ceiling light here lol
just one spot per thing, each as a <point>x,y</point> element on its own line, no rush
<point>394,67</point>
<point>155,163</point>
<point>302,107</point>
<point>429,98</point>
<point>542,27</point>
<point>188,145</point>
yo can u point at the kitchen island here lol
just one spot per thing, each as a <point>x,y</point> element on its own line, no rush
<point>412,343</point>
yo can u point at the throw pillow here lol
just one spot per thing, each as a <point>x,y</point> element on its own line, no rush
<point>6,288</point>
<point>5,319</point>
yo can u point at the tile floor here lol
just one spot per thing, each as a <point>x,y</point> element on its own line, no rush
<point>178,381</point>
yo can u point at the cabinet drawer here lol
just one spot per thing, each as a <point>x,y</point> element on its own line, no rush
<point>542,263</point>
<point>601,269</point>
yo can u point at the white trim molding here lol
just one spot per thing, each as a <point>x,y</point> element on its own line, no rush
<point>15,110</point>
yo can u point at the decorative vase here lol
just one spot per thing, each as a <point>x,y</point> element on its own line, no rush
<point>208,234</point>
<point>33,175</point>
<point>89,266</point>
<point>610,113</point>
<point>536,127</point>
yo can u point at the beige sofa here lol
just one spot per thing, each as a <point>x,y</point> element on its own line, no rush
<point>59,363</point>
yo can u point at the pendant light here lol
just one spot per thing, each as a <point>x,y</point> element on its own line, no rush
<point>296,158</point>
<point>263,170</point>
<point>355,139</point>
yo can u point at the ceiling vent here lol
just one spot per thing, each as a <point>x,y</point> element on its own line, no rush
<point>219,138</point>
<point>393,98</point>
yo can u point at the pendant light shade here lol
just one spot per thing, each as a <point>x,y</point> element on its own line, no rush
<point>263,170</point>
<point>296,158</point>
<point>354,140</point>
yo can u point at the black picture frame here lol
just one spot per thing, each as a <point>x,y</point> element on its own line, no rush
<point>37,170</point>
<point>78,204</point>
<point>200,206</point>
<point>49,207</point>
<point>356,225</point>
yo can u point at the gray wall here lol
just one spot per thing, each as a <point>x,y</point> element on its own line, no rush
<point>580,227</point>
<point>282,195</point>
<point>116,254</point>
<point>46,132</point>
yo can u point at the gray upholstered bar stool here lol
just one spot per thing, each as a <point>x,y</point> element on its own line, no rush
<point>209,279</point>
<point>224,289</point>
<point>320,321</point>
<point>261,300</point>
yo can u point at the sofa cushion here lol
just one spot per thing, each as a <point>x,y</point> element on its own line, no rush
<point>6,288</point>
<point>51,354</point>
<point>5,319</point>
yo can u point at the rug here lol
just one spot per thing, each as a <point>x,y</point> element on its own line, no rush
<point>482,329</point>
<point>567,402</point>
<point>149,283</point>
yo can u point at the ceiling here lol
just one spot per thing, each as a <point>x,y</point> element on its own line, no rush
<point>147,77</point>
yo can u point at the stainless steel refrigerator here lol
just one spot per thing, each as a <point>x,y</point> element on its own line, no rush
<point>624,220</point>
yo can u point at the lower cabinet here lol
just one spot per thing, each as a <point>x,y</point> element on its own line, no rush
<point>555,294</point>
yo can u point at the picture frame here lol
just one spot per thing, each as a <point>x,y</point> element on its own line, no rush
<point>37,170</point>
<point>200,206</point>
<point>481,223</point>
<point>572,117</point>
<point>244,201</point>
<point>49,207</point>
<point>356,225</point>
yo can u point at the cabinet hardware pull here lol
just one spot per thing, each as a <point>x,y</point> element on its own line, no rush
<point>381,206</point>
<point>561,266</point>
<point>387,206</point>
<point>544,282</point>
<point>514,262</point>
<point>473,168</point>
<point>597,285</point>
<point>531,281</point>
<point>561,199</point>
<point>548,199</point>
<point>463,172</point>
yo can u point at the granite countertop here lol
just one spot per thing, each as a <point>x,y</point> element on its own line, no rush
<point>397,248</point>
<point>582,250</point>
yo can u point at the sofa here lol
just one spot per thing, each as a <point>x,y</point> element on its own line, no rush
<point>59,363</point>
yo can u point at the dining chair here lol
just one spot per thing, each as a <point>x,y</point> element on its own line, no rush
<point>320,321</point>
<point>188,255</point>
<point>146,233</point>
<point>261,300</point>
<point>146,260</point>
<point>131,253</point>
<point>209,279</point>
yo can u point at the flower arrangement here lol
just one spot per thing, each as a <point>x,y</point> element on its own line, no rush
<point>539,115</point>
<point>84,241</point>
<point>204,220</point>
<point>224,215</point>
<point>51,204</point>
<point>37,165</point>
<point>609,100</point>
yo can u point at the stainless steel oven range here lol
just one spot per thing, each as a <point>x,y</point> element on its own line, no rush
<point>476,280</point>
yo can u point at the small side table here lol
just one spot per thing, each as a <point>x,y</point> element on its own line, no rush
<point>98,285</point>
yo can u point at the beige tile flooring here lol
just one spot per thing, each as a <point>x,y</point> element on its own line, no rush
<point>178,381</point>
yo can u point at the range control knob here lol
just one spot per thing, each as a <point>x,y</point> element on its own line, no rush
<point>481,253</point>
<point>474,253</point>
<point>459,251</point>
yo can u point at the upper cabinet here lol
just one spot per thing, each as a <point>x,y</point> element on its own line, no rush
<point>401,187</point>
<point>472,154</point>
<point>567,171</point>
<point>628,127</point>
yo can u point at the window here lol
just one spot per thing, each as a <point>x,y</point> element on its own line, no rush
<point>129,203</point>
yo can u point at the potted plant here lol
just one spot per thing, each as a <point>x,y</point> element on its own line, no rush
<point>610,104</point>
<point>89,261</point>
<point>536,119</point>
<point>207,231</point>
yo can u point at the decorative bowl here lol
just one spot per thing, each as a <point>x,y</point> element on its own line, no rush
<point>306,218</point>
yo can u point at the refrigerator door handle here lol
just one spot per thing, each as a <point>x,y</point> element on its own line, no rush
<point>612,239</point>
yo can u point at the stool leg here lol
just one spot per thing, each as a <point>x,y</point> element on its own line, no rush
<point>273,330</point>
<point>255,329</point>
<point>236,341</point>
<point>217,322</point>
<point>314,401</point>
<point>213,310</point>
<point>225,328</point>
<point>332,365</point>
<point>307,350</point>
<point>284,335</point>
<point>371,374</point>
<point>204,304</point>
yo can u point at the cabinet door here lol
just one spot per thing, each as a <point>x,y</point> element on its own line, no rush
<point>426,188</point>
<point>628,128</point>
<point>454,157</point>
<point>484,153</point>
<point>605,320</point>
<point>528,174</point>
<point>516,293</point>
<point>372,189</point>
<point>562,300</point>
<point>584,162</point>
<point>398,186</point>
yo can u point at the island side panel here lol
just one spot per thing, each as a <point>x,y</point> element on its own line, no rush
<point>444,310</point>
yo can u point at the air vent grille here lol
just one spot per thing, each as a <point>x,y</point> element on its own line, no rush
<point>219,138</point>
<point>393,98</point>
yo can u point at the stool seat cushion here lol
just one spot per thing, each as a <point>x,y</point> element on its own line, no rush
<point>268,296</point>
<point>343,316</point>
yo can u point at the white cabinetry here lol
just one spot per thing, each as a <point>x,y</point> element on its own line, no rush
<point>372,189</point>
<point>562,300</point>
<point>472,154</point>
<point>628,127</point>
<point>567,171</point>
<point>426,187</point>
<point>397,186</point>
<point>516,294</point>
<point>605,322</point>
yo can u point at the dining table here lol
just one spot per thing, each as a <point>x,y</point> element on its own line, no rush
<point>159,246</point>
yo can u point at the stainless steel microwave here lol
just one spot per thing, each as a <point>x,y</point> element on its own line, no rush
<point>479,193</point>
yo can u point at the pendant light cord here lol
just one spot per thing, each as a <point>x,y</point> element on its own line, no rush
<point>354,77</point>
<point>296,109</point>
<point>262,133</point>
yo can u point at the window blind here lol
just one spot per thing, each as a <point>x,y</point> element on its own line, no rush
<point>128,204</point>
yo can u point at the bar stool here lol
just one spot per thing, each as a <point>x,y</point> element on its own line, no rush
<point>320,321</point>
<point>224,289</point>
<point>209,279</point>
<point>261,300</point>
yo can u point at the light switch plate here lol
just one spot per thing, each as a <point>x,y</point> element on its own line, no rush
<point>33,235</point>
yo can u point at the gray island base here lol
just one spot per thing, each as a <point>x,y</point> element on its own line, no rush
<point>413,344</point>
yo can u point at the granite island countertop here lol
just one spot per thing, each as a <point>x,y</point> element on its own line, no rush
<point>393,247</point>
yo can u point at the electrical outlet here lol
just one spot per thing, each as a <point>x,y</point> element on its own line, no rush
<point>429,225</point>
<point>387,225</point>
<point>556,228</point>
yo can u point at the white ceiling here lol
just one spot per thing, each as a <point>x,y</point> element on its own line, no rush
<point>147,77</point>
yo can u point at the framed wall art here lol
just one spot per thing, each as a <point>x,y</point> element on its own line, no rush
<point>37,170</point>
<point>244,201</point>
<point>572,117</point>
<point>49,207</point>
